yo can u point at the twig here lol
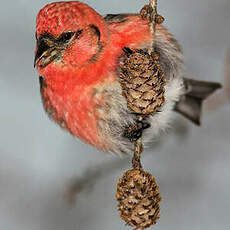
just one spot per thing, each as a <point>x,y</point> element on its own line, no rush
<point>153,15</point>
<point>138,149</point>
<point>138,146</point>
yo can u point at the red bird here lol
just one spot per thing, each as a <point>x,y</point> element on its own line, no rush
<point>78,57</point>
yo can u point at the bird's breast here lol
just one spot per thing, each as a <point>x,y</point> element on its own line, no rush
<point>84,112</point>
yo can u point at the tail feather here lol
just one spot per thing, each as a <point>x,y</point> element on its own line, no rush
<point>190,105</point>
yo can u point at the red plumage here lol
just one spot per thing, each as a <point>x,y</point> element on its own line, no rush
<point>69,90</point>
<point>78,57</point>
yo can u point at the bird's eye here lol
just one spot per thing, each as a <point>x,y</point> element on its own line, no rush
<point>65,37</point>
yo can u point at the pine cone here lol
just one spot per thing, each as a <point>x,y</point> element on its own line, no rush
<point>146,14</point>
<point>138,196</point>
<point>142,81</point>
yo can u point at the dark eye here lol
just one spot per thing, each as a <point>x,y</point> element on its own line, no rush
<point>65,37</point>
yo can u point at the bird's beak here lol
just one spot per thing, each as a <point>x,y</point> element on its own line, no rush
<point>45,54</point>
<point>50,49</point>
<point>47,51</point>
<point>46,57</point>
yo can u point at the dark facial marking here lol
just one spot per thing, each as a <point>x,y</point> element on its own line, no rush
<point>49,43</point>
<point>65,37</point>
<point>46,36</point>
<point>97,31</point>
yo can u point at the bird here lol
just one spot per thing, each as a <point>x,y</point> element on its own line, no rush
<point>78,56</point>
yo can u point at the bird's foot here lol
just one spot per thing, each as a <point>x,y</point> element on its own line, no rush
<point>134,132</point>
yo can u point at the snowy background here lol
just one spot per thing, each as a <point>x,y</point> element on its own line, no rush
<point>38,161</point>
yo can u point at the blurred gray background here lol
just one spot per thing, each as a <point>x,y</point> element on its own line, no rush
<point>39,161</point>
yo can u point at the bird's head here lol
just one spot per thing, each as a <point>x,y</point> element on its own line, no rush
<point>68,34</point>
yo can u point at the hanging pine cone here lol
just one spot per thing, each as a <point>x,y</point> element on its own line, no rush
<point>142,81</point>
<point>138,197</point>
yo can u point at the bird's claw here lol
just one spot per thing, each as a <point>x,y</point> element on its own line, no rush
<point>134,132</point>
